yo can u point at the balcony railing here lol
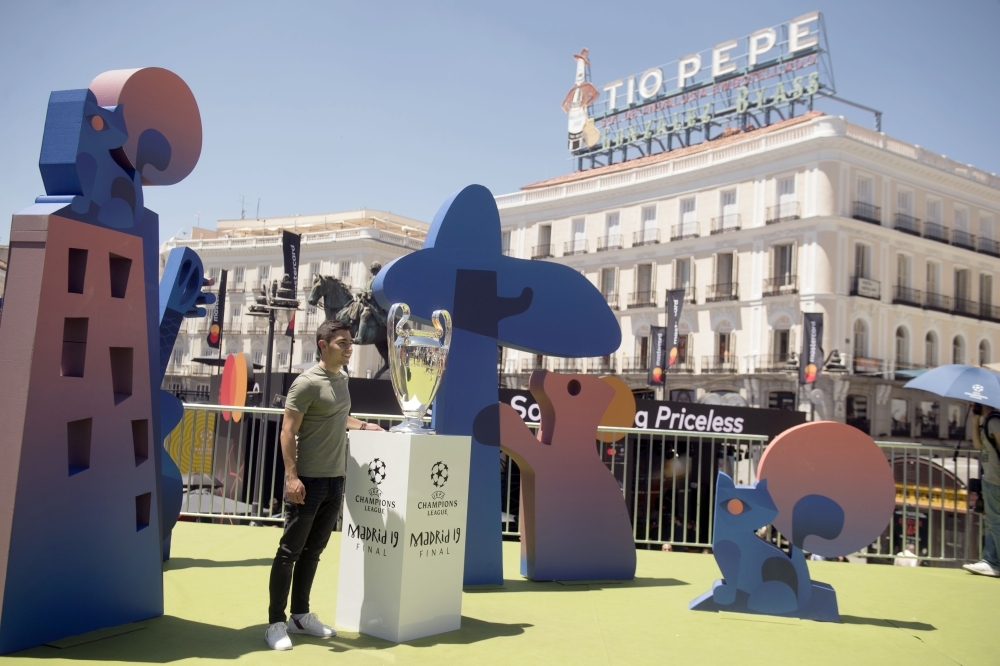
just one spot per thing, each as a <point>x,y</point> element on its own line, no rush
<point>867,212</point>
<point>724,291</point>
<point>966,307</point>
<point>542,251</point>
<point>568,365</point>
<point>866,365</point>
<point>531,364</point>
<point>235,287</point>
<point>635,364</point>
<point>726,223</point>
<point>507,252</point>
<point>719,365</point>
<point>866,287</point>
<point>787,362</point>
<point>989,246</point>
<point>682,365</point>
<point>684,230</point>
<point>609,242</point>
<point>690,296</point>
<point>936,232</point>
<point>964,239</point>
<point>645,237</point>
<point>781,285</point>
<point>900,368</point>
<point>612,300</point>
<point>907,224</point>
<point>788,210</point>
<point>602,365</point>
<point>642,299</point>
<point>939,302</point>
<point>989,312</point>
<point>907,296</point>
<point>574,247</point>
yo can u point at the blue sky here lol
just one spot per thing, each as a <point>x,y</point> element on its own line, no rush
<point>315,107</point>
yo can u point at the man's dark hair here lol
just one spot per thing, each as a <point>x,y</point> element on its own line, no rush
<point>328,329</point>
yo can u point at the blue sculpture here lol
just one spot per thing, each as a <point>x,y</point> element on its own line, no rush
<point>181,296</point>
<point>535,306</point>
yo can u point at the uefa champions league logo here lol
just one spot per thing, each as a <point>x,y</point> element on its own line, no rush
<point>439,474</point>
<point>376,471</point>
<point>976,392</point>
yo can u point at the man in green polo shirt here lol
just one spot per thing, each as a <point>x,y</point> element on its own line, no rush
<point>314,448</point>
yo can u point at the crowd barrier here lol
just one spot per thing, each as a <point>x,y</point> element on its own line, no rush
<point>230,463</point>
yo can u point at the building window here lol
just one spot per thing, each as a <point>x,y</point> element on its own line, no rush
<point>866,190</point>
<point>930,349</point>
<point>984,352</point>
<point>927,419</point>
<point>857,412</point>
<point>958,350</point>
<point>902,348</point>
<point>788,207</point>
<point>641,360</point>
<point>934,211</point>
<point>612,239</point>
<point>725,344</point>
<point>904,270</point>
<point>962,286</point>
<point>282,359</point>
<point>644,286</point>
<point>578,237</point>
<point>962,219</point>
<point>781,346</point>
<point>862,260</point>
<point>684,347</point>
<point>781,400</point>
<point>904,202</point>
<point>308,355</point>
<point>344,275</point>
<point>238,274</point>
<point>683,275</point>
<point>263,275</point>
<point>899,410</point>
<point>985,294</point>
<point>860,339</point>
<point>544,247</point>
<point>609,285</point>
<point>986,227</point>
<point>505,243</point>
<point>933,275</point>
<point>214,273</point>
<point>649,232</point>
<point>730,219</point>
<point>258,357</point>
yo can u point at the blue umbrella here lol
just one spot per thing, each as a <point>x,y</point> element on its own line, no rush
<point>963,382</point>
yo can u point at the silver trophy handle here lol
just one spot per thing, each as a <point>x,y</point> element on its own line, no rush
<point>443,331</point>
<point>402,312</point>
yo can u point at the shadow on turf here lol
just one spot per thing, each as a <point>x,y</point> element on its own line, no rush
<point>880,622</point>
<point>175,563</point>
<point>167,639</point>
<point>524,585</point>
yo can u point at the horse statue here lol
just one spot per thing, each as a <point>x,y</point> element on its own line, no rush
<point>365,317</point>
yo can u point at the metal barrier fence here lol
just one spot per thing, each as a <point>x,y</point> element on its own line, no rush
<point>233,472</point>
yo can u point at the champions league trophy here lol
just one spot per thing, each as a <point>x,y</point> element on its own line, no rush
<point>416,364</point>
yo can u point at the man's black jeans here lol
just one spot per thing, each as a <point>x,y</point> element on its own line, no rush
<point>307,531</point>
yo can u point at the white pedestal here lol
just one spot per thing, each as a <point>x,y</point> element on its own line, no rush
<point>402,554</point>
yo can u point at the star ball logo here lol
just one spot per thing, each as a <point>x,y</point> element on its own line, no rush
<point>439,474</point>
<point>977,392</point>
<point>376,471</point>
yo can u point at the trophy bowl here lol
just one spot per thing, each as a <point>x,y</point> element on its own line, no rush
<point>416,364</point>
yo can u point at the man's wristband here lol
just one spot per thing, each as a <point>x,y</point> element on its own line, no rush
<point>364,425</point>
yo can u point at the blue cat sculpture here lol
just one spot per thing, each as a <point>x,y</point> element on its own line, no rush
<point>758,577</point>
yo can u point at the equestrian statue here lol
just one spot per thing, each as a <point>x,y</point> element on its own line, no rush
<point>366,318</point>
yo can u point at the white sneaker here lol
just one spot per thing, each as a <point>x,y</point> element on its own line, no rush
<point>983,568</point>
<point>310,624</point>
<point>277,637</point>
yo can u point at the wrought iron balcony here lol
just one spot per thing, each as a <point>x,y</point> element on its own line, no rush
<point>788,362</point>
<point>635,364</point>
<point>781,285</point>
<point>684,230</point>
<point>690,296</point>
<point>574,247</point>
<point>867,212</point>
<point>936,232</point>
<point>542,251</point>
<point>966,307</point>
<point>682,365</point>
<point>907,224</point>
<point>719,365</point>
<point>989,312</point>
<point>612,299</point>
<point>724,291</point>
<point>964,239</point>
<point>939,302</point>
<point>907,296</point>
<point>235,287</point>
<point>866,287</point>
<point>726,223</point>
<point>645,237</point>
<point>531,364</point>
<point>609,242</point>
<point>642,299</point>
<point>602,365</point>
<point>568,365</point>
<point>788,210</point>
<point>989,246</point>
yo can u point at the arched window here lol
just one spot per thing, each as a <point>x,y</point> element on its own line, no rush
<point>930,349</point>
<point>902,347</point>
<point>860,339</point>
<point>958,350</point>
<point>984,352</point>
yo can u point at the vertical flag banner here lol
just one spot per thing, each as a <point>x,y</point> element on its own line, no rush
<point>290,248</point>
<point>675,301</point>
<point>218,315</point>
<point>811,360</point>
<point>658,355</point>
<point>290,329</point>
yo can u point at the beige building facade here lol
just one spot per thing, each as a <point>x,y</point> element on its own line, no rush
<point>895,245</point>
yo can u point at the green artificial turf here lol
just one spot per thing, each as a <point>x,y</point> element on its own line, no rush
<point>216,602</point>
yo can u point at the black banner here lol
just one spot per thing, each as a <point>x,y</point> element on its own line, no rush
<point>675,301</point>
<point>811,360</point>
<point>290,248</point>
<point>218,315</point>
<point>290,329</point>
<point>657,355</point>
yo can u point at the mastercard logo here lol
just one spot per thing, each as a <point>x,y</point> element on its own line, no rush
<point>657,375</point>
<point>673,356</point>
<point>233,388</point>
<point>810,373</point>
<point>213,334</point>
